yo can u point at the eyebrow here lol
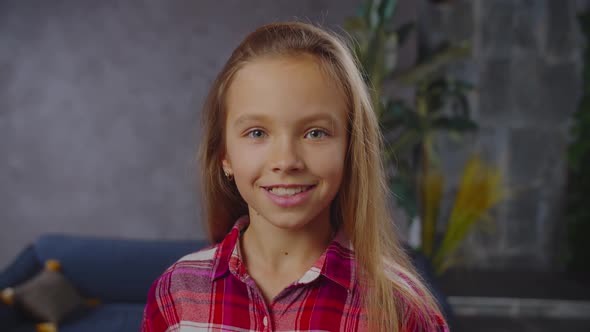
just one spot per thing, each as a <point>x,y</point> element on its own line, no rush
<point>261,118</point>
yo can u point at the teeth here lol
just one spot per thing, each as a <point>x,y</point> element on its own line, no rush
<point>286,191</point>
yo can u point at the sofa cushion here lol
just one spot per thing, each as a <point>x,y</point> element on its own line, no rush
<point>46,297</point>
<point>113,270</point>
<point>22,268</point>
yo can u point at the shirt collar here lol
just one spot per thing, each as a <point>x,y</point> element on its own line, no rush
<point>228,249</point>
<point>340,264</point>
<point>337,263</point>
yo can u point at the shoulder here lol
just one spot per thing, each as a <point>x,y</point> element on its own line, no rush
<point>203,256</point>
<point>189,278</point>
<point>190,271</point>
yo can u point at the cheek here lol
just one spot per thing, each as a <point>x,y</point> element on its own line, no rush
<point>246,160</point>
<point>329,165</point>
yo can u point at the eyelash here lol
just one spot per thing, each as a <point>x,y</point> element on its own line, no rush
<point>250,133</point>
<point>323,132</point>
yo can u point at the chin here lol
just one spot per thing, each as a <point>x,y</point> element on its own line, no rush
<point>288,222</point>
<point>291,221</point>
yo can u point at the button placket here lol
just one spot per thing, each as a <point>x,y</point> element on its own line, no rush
<point>265,310</point>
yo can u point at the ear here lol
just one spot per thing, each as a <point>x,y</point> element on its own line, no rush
<point>226,164</point>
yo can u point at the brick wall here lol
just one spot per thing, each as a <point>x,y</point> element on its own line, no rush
<point>526,67</point>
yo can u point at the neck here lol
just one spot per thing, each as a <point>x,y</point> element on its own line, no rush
<point>282,250</point>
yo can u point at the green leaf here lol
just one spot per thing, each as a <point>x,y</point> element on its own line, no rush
<point>405,194</point>
<point>386,9</point>
<point>355,23</point>
<point>576,152</point>
<point>458,124</point>
<point>459,103</point>
<point>390,55</point>
<point>463,86</point>
<point>404,31</point>
<point>372,14</point>
<point>424,70</point>
<point>394,110</point>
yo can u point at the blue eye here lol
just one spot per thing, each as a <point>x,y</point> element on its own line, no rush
<point>316,134</point>
<point>256,133</point>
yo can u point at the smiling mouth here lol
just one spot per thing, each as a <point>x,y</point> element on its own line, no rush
<point>288,191</point>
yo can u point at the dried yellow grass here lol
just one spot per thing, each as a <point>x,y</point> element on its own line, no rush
<point>479,191</point>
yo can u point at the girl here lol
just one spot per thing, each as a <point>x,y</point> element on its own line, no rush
<point>296,202</point>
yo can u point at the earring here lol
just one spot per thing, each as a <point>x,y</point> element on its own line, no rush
<point>228,175</point>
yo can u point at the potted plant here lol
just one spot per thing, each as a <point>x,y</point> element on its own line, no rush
<point>440,104</point>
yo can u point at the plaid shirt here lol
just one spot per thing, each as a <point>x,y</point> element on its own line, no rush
<point>211,290</point>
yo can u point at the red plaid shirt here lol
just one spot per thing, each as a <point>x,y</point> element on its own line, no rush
<point>211,290</point>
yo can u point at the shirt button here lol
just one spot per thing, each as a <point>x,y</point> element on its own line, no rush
<point>265,321</point>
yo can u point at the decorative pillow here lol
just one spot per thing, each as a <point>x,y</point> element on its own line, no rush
<point>47,297</point>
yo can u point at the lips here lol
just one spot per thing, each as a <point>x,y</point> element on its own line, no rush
<point>288,195</point>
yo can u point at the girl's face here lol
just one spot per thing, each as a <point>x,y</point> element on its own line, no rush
<point>286,140</point>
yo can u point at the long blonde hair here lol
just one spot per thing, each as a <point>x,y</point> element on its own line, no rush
<point>394,292</point>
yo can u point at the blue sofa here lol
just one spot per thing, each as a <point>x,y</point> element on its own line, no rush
<point>118,272</point>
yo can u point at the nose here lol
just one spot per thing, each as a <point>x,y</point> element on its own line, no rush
<point>286,156</point>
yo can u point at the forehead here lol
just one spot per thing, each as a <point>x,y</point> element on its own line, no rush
<point>286,87</point>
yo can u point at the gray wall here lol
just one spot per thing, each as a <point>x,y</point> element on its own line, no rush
<point>99,110</point>
<point>526,66</point>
